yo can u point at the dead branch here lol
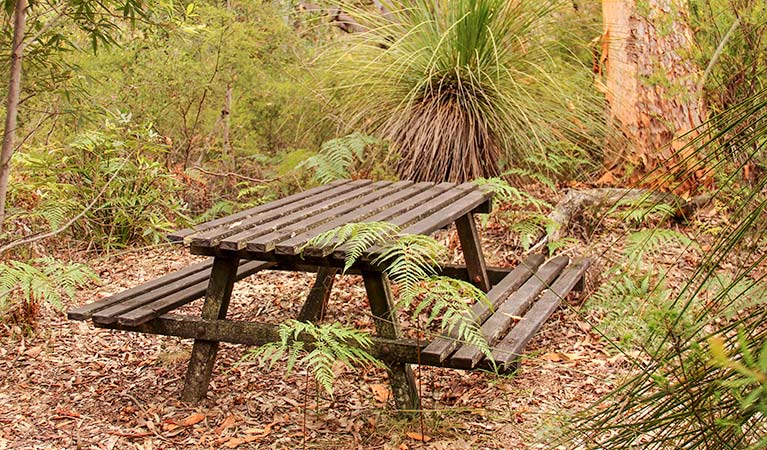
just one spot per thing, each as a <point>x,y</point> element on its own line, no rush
<point>575,201</point>
<point>234,175</point>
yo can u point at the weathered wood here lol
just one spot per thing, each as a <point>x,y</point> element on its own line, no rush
<point>440,206</point>
<point>472,251</point>
<point>382,306</point>
<point>397,351</point>
<point>179,236</point>
<point>235,237</point>
<point>316,302</point>
<point>395,214</point>
<point>511,347</point>
<point>495,327</point>
<point>86,311</point>
<point>294,245</point>
<point>203,357</point>
<point>314,222</point>
<point>441,347</point>
<point>160,306</point>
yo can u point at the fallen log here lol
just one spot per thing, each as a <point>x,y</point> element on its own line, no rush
<point>575,201</point>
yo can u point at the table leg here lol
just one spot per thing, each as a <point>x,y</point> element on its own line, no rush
<point>472,251</point>
<point>217,297</point>
<point>400,375</point>
<point>314,308</point>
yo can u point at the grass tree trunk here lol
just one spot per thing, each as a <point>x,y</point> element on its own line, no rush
<point>12,102</point>
<point>651,83</point>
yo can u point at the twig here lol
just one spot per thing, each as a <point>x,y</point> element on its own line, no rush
<point>39,237</point>
<point>234,175</point>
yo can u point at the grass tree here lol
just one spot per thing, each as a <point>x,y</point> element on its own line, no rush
<point>461,87</point>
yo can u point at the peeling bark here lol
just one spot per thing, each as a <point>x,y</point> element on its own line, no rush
<point>651,84</point>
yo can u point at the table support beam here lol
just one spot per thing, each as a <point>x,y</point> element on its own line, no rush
<point>382,305</point>
<point>317,300</point>
<point>472,251</point>
<point>203,357</point>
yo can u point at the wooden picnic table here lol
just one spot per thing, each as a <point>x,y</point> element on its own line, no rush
<point>274,236</point>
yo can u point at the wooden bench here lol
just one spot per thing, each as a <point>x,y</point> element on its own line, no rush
<point>273,236</point>
<point>147,301</point>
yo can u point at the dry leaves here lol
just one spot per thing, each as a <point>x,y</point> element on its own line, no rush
<point>381,392</point>
<point>418,436</point>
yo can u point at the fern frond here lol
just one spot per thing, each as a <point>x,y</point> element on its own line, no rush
<point>337,155</point>
<point>507,193</point>
<point>322,346</point>
<point>355,238</point>
<point>641,244</point>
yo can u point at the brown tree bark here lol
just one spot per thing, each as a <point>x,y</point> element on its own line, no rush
<point>12,102</point>
<point>650,81</point>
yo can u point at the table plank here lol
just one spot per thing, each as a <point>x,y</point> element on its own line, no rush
<point>293,245</point>
<point>267,224</point>
<point>267,243</point>
<point>214,236</point>
<point>418,208</point>
<point>179,236</point>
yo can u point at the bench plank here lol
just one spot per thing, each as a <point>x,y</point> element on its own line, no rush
<point>160,306</point>
<point>187,286</point>
<point>179,236</point>
<point>511,347</point>
<point>86,311</point>
<point>493,329</point>
<point>440,348</point>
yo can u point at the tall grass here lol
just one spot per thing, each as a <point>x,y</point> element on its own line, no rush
<point>704,382</point>
<point>462,88</point>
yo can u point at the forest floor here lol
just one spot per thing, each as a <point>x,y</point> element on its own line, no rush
<point>73,386</point>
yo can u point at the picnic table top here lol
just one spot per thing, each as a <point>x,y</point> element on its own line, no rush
<point>280,229</point>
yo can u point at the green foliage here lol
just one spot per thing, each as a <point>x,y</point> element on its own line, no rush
<point>411,261</point>
<point>633,297</point>
<point>127,197</point>
<point>25,286</point>
<point>339,157</point>
<point>701,383</point>
<point>318,348</point>
<point>458,86</point>
<point>515,214</point>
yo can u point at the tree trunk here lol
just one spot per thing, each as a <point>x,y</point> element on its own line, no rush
<point>12,103</point>
<point>651,83</point>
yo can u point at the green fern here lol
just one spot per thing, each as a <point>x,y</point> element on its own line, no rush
<point>641,244</point>
<point>507,193</point>
<point>337,156</point>
<point>355,239</point>
<point>642,211</point>
<point>44,280</point>
<point>411,262</point>
<point>317,348</point>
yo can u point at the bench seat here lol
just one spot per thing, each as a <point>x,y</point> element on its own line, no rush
<point>521,303</point>
<point>147,301</point>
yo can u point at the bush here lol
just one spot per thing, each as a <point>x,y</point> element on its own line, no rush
<point>127,197</point>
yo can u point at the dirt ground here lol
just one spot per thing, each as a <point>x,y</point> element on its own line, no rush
<point>73,386</point>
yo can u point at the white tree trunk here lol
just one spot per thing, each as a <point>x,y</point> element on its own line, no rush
<point>12,102</point>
